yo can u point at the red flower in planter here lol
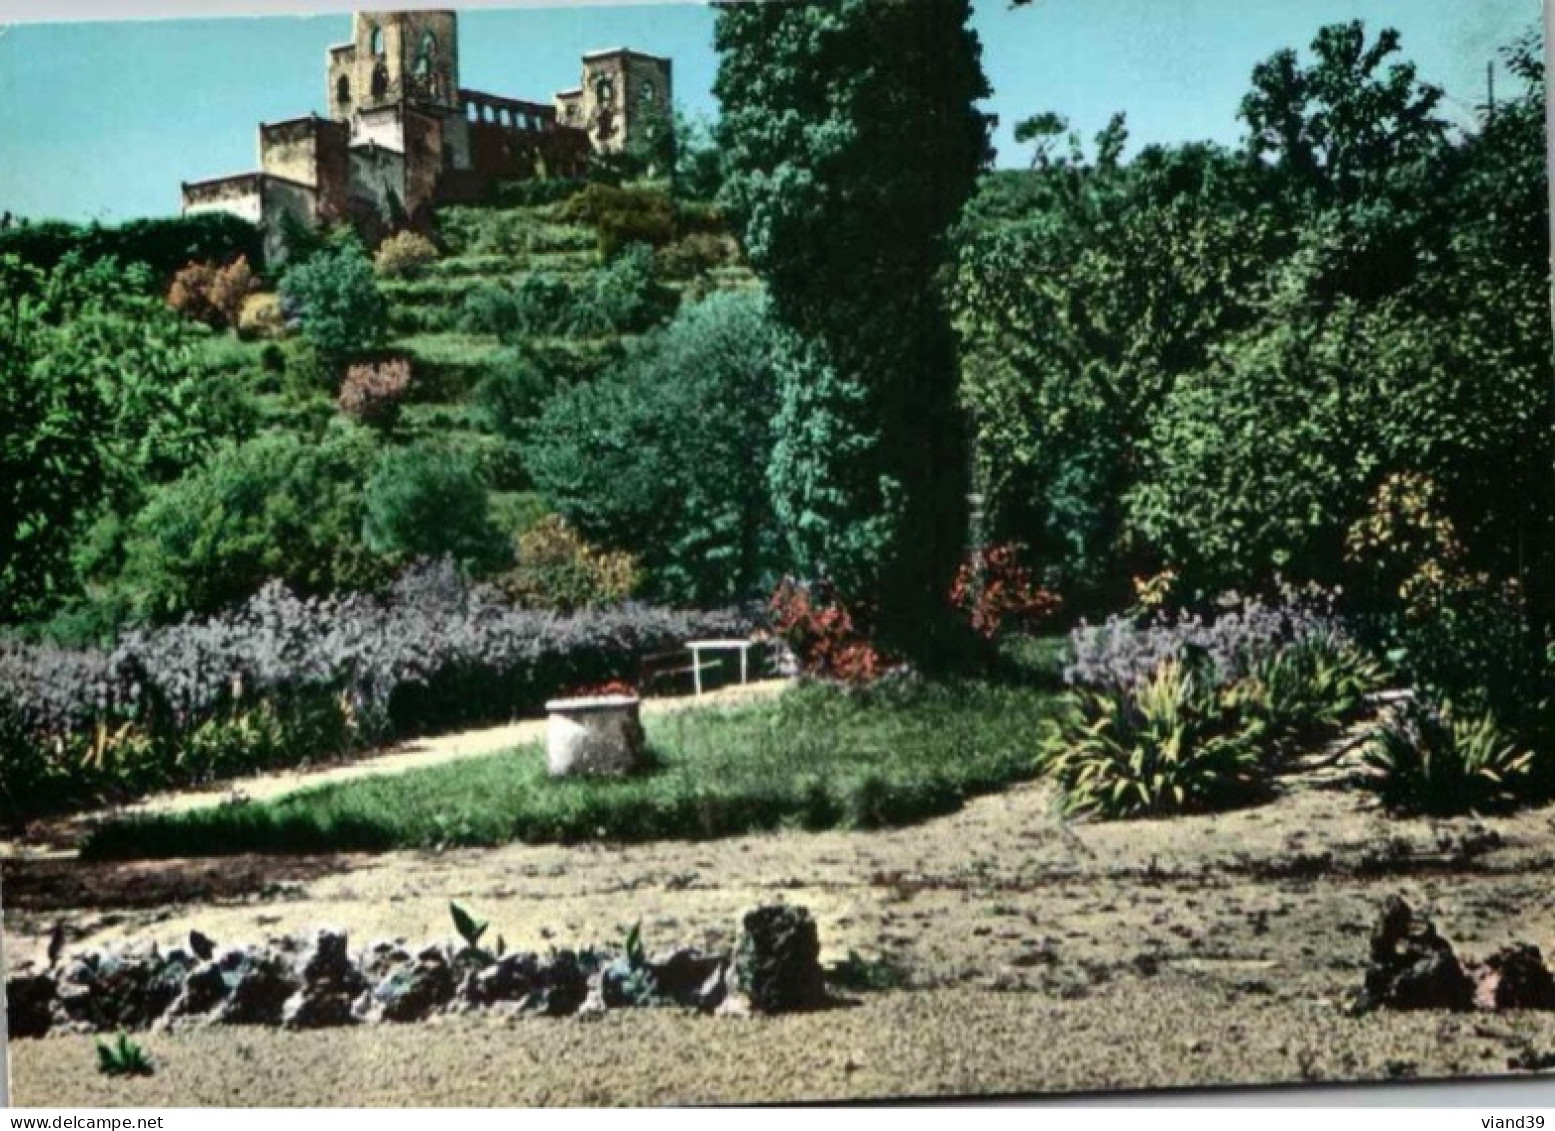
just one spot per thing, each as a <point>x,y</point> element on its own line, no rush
<point>616,688</point>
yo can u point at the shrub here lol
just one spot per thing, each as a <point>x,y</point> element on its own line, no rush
<point>336,300</point>
<point>203,292</point>
<point>1170,744</point>
<point>489,309</point>
<point>696,254</point>
<point>1236,634</point>
<point>285,680</point>
<point>404,253</point>
<point>823,635</point>
<point>665,455</point>
<point>627,298</point>
<point>1435,760</point>
<point>1451,628</point>
<point>558,570</point>
<point>427,501</point>
<point>544,305</point>
<point>622,216</point>
<point>261,317</point>
<point>281,505</point>
<point>374,391</point>
<point>996,589</point>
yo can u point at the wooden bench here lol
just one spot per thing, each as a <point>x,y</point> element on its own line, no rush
<point>661,667</point>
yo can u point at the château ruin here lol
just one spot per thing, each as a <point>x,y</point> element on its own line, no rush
<point>403,136</point>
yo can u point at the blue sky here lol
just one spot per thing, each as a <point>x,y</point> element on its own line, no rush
<point>105,120</point>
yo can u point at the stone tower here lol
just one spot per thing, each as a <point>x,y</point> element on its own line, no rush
<point>625,96</point>
<point>393,59</point>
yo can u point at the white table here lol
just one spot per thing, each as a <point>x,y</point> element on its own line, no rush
<point>697,647</point>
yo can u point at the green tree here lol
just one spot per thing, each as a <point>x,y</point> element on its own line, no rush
<point>335,294</point>
<point>665,456</point>
<point>99,402</point>
<point>1083,292</point>
<point>282,505</point>
<point>1342,124</point>
<point>429,501</point>
<point>852,140</point>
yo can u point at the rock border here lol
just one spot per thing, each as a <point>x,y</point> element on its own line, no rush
<point>297,983</point>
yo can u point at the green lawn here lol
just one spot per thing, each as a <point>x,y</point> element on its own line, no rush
<point>816,758</point>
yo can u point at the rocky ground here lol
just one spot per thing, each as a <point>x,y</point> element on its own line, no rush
<point>1038,956</point>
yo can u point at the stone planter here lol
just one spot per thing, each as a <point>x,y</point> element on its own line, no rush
<point>599,736</point>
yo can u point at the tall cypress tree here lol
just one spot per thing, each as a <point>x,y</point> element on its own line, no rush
<point>852,140</point>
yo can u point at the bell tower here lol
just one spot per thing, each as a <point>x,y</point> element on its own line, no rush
<point>395,58</point>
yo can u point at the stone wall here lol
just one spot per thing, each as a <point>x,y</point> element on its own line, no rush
<point>310,151</point>
<point>240,195</point>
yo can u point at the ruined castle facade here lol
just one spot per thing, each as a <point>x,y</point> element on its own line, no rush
<point>403,136</point>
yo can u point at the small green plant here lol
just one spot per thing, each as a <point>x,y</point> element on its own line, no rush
<point>123,1057</point>
<point>1308,688</point>
<point>1434,760</point>
<point>632,974</point>
<point>469,930</point>
<point>1170,745</point>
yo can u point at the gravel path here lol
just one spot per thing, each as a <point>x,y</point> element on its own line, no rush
<point>1040,956</point>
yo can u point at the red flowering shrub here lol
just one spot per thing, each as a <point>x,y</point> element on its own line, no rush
<point>373,391</point>
<point>823,636</point>
<point>996,589</point>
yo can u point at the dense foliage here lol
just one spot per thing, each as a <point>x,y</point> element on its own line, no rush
<point>99,404</point>
<point>827,141</point>
<point>280,506</point>
<point>428,500</point>
<point>665,455</point>
<point>284,680</point>
<point>1210,359</point>
<point>335,297</point>
<point>163,245</point>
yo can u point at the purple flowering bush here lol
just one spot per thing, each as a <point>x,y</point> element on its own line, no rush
<point>1188,711</point>
<point>283,681</point>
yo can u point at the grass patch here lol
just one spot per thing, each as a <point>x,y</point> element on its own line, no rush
<point>817,758</point>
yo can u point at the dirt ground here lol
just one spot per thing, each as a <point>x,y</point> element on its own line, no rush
<point>1042,956</point>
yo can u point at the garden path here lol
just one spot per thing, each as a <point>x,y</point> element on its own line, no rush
<point>61,836</point>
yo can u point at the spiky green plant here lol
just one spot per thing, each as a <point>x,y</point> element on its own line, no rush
<point>469,930</point>
<point>123,1057</point>
<point>1168,746</point>
<point>1310,687</point>
<point>1432,759</point>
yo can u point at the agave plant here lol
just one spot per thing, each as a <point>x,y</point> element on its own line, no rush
<point>123,1057</point>
<point>1431,759</point>
<point>1169,745</point>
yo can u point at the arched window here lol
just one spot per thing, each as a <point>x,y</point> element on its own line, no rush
<point>426,55</point>
<point>648,93</point>
<point>604,89</point>
<point>380,81</point>
<point>343,90</point>
<point>377,42</point>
